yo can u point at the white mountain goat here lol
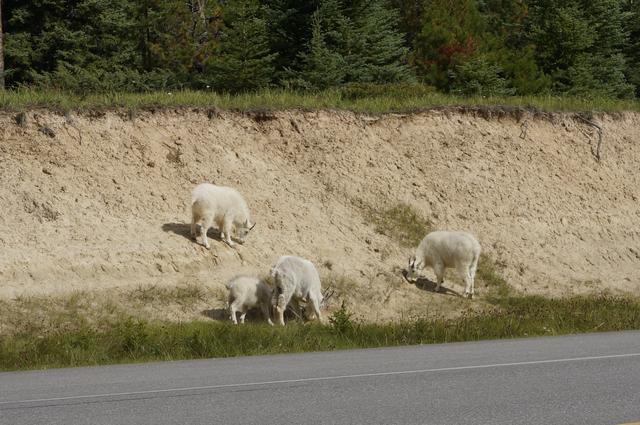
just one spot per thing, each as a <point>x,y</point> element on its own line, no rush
<point>222,205</point>
<point>443,249</point>
<point>296,279</point>
<point>247,292</point>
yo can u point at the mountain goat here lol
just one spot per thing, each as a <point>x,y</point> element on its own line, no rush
<point>296,279</point>
<point>247,292</point>
<point>222,205</point>
<point>443,249</point>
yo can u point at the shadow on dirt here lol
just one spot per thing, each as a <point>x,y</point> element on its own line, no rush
<point>429,285</point>
<point>184,230</point>
<point>216,313</point>
<point>253,315</point>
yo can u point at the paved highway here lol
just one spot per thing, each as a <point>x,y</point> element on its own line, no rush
<point>580,379</point>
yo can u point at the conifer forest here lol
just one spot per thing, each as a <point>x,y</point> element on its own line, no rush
<point>585,48</point>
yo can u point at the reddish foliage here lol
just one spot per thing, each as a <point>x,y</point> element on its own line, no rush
<point>448,51</point>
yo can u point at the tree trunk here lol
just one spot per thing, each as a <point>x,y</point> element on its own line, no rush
<point>1,52</point>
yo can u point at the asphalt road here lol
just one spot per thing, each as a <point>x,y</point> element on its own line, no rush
<point>581,379</point>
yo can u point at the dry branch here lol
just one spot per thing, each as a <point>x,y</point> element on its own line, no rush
<point>600,131</point>
<point>523,129</point>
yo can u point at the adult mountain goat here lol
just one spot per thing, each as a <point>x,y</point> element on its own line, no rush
<point>222,205</point>
<point>296,279</point>
<point>443,249</point>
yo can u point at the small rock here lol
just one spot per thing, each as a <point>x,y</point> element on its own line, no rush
<point>47,131</point>
<point>47,171</point>
<point>151,164</point>
<point>21,119</point>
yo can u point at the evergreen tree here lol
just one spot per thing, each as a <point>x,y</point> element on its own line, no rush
<point>180,37</point>
<point>244,60</point>
<point>411,15</point>
<point>480,77</point>
<point>579,45</point>
<point>323,64</point>
<point>289,24</point>
<point>63,42</point>
<point>448,37</point>
<point>505,46</point>
<point>353,42</point>
<point>375,50</point>
<point>631,10</point>
<point>1,52</point>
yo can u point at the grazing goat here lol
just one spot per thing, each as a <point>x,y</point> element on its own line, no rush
<point>247,292</point>
<point>296,279</point>
<point>443,249</point>
<point>222,205</point>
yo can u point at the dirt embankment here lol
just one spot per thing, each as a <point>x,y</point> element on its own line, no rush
<point>101,202</point>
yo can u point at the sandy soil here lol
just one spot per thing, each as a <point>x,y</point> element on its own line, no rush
<point>103,204</point>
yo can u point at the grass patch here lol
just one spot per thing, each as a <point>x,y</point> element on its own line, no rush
<point>373,99</point>
<point>187,294</point>
<point>136,340</point>
<point>401,223</point>
<point>498,288</point>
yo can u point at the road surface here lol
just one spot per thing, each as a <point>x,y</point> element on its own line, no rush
<point>579,379</point>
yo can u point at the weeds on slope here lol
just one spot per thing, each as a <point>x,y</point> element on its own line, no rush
<point>361,98</point>
<point>401,222</point>
<point>137,340</point>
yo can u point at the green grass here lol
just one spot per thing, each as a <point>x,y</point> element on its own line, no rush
<point>487,273</point>
<point>137,340</point>
<point>402,223</point>
<point>186,294</point>
<point>371,99</point>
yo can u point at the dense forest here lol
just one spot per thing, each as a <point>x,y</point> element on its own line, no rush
<point>587,48</point>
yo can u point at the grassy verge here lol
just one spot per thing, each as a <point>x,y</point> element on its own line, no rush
<point>88,329</point>
<point>136,340</point>
<point>364,100</point>
<point>85,329</point>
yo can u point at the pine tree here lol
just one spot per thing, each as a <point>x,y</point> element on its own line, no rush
<point>505,46</point>
<point>375,49</point>
<point>322,64</point>
<point>579,45</point>
<point>1,52</point>
<point>353,42</point>
<point>180,37</point>
<point>631,11</point>
<point>448,37</point>
<point>480,77</point>
<point>289,24</point>
<point>80,44</point>
<point>244,60</point>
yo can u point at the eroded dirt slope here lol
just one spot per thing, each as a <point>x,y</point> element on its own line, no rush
<point>104,203</point>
